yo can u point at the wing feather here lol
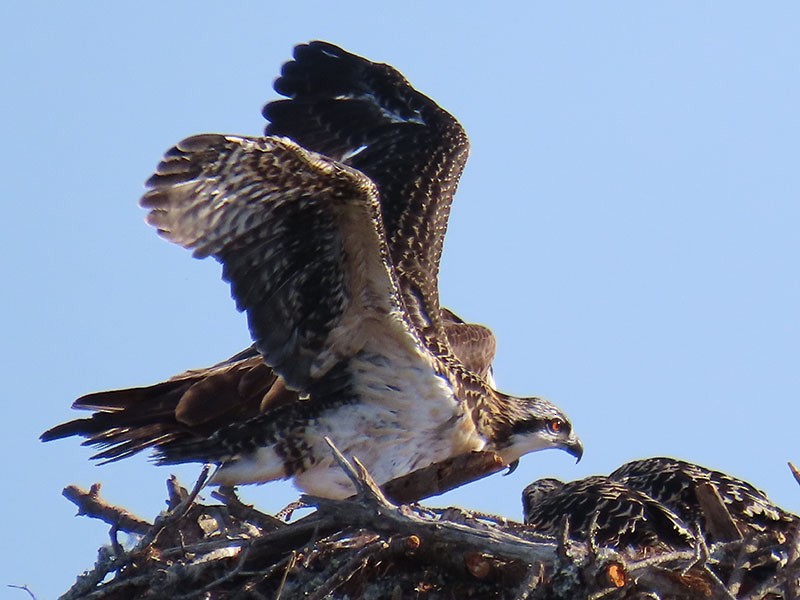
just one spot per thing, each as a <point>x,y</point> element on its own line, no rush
<point>473,344</point>
<point>300,239</point>
<point>367,115</point>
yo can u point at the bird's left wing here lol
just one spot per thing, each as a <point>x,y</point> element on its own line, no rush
<point>368,116</point>
<point>473,344</point>
<point>300,239</point>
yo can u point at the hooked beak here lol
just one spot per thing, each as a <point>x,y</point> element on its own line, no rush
<point>574,447</point>
<point>512,466</point>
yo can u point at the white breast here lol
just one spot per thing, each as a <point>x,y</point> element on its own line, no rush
<point>404,417</point>
<point>407,418</point>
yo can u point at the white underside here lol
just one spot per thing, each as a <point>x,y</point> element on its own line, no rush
<point>406,418</point>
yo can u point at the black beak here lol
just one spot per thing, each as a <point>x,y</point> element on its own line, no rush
<point>575,447</point>
<point>512,466</point>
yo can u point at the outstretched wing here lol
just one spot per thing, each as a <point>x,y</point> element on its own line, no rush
<point>366,115</point>
<point>300,240</point>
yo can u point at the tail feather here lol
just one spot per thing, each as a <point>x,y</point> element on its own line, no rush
<point>188,408</point>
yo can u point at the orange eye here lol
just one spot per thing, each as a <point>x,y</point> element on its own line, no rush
<point>556,425</point>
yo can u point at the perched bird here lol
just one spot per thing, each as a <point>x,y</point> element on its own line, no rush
<point>675,484</point>
<point>329,230</point>
<point>611,512</point>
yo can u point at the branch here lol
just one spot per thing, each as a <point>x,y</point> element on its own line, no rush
<point>92,505</point>
<point>382,515</point>
<point>795,472</point>
<point>370,545</point>
<point>24,588</point>
<point>442,477</point>
<point>719,523</point>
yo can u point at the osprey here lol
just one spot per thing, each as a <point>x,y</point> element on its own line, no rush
<point>613,513</point>
<point>675,483</point>
<point>329,230</point>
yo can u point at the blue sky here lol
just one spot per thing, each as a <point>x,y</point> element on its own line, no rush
<point>627,224</point>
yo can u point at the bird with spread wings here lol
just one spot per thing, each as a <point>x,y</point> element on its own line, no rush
<point>329,230</point>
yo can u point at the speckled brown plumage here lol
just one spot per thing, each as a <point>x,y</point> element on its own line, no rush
<point>330,237</point>
<point>674,483</point>
<point>619,516</point>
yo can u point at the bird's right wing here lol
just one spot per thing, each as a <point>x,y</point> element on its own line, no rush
<point>300,239</point>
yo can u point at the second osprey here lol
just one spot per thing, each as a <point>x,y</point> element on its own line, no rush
<point>330,231</point>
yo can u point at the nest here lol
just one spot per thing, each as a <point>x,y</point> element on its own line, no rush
<point>371,547</point>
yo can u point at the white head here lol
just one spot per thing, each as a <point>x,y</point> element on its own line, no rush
<point>535,424</point>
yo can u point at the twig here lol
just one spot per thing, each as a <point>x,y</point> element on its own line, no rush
<point>532,580</point>
<point>115,545</point>
<point>366,488</point>
<point>25,588</point>
<point>285,514</point>
<point>92,505</point>
<point>739,568</point>
<point>325,553</point>
<point>226,577</point>
<point>795,472</point>
<point>720,525</point>
<point>442,477</point>
<point>347,570</point>
<point>784,575</point>
<point>375,511</point>
<point>246,512</point>
<point>289,567</point>
<point>174,513</point>
<point>86,582</point>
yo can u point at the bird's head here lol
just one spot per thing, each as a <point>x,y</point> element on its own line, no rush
<point>533,424</point>
<point>538,491</point>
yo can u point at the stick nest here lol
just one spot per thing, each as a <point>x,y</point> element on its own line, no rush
<point>371,547</point>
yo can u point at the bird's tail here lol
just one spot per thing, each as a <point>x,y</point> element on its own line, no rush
<point>188,407</point>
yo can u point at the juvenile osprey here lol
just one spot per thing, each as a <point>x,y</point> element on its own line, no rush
<point>674,483</point>
<point>329,230</point>
<point>618,516</point>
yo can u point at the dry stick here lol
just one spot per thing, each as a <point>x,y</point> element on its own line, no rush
<point>774,583</point>
<point>594,528</point>
<point>533,578</point>
<point>24,588</point>
<point>246,512</point>
<point>112,586</point>
<point>106,564</point>
<point>177,573</point>
<point>702,553</point>
<point>285,514</point>
<point>119,551</point>
<point>176,493</point>
<point>442,477</point>
<point>648,569</point>
<point>226,577</point>
<point>90,579</point>
<point>376,511</point>
<point>289,567</point>
<point>739,568</point>
<point>92,505</point>
<point>794,471</point>
<point>792,583</point>
<point>496,521</point>
<point>174,513</point>
<point>180,502</point>
<point>719,522</point>
<point>354,564</point>
<point>291,535</point>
